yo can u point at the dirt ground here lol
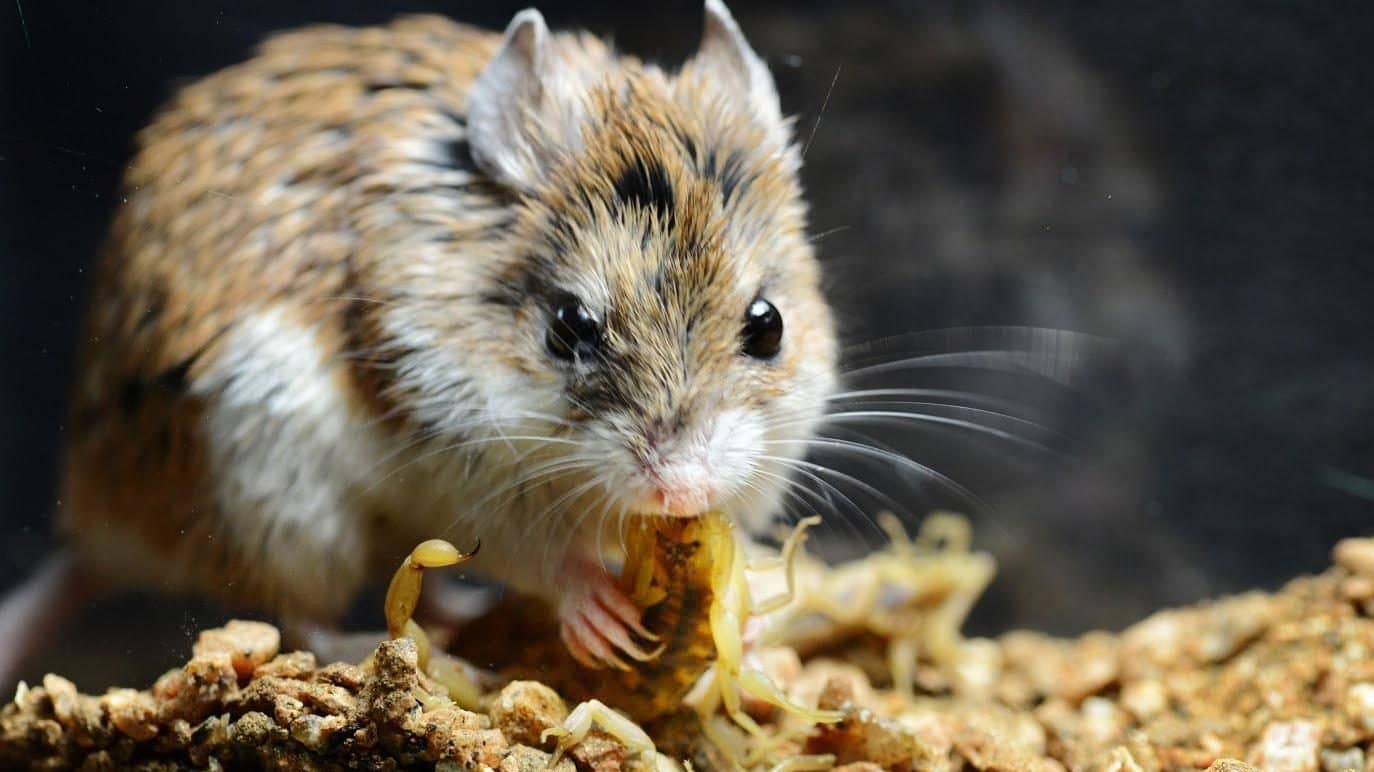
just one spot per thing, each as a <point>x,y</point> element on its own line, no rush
<point>1283,682</point>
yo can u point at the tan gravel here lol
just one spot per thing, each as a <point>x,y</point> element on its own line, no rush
<point>1281,682</point>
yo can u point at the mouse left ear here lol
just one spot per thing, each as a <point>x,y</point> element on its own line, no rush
<point>725,57</point>
<point>524,110</point>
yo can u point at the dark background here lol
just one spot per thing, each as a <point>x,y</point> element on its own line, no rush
<point>1191,180</point>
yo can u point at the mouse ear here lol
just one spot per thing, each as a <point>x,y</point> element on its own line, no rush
<point>726,58</point>
<point>522,111</point>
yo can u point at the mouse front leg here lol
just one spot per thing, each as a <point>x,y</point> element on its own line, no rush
<point>597,620</point>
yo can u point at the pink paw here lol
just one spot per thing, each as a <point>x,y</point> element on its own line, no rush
<point>596,618</point>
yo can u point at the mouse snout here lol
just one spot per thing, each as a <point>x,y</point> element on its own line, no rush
<point>676,470</point>
<point>682,501</point>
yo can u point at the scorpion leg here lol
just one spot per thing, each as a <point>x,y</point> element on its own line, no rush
<point>593,712</point>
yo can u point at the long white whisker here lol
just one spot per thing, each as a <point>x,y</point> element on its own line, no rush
<point>858,511</point>
<point>885,499</point>
<point>999,360</point>
<point>897,460</point>
<point>956,423</point>
<point>449,448</point>
<point>1026,337</point>
<point>974,398</point>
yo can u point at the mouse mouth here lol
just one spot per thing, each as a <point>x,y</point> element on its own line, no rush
<point>674,501</point>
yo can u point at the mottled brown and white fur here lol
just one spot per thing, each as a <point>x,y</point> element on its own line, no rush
<point>319,329</point>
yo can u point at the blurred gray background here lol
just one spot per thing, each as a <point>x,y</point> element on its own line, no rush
<point>1187,183</point>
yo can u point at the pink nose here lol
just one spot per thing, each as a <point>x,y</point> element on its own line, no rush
<point>683,502</point>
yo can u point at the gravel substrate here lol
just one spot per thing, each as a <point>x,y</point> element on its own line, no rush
<point>1284,682</point>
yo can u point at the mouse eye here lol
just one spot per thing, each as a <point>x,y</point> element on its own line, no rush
<point>573,331</point>
<point>762,329</point>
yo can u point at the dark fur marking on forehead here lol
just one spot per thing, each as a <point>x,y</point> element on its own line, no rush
<point>459,154</point>
<point>728,172</point>
<point>517,286</point>
<point>645,182</point>
<point>404,85</point>
<point>506,293</point>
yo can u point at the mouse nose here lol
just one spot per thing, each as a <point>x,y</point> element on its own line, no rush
<point>675,470</point>
<point>683,501</point>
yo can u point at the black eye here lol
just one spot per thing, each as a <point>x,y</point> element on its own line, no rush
<point>762,329</point>
<point>573,331</point>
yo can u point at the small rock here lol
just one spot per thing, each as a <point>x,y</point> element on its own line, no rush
<point>63,695</point>
<point>350,677</point>
<point>1359,705</point>
<point>454,734</point>
<point>1357,588</point>
<point>1288,746</point>
<point>524,709</point>
<point>985,751</point>
<point>1349,760</point>
<point>196,690</point>
<point>1154,643</point>
<point>296,664</point>
<point>1230,625</point>
<point>395,665</point>
<point>523,758</point>
<point>1355,556</point>
<point>599,752</point>
<point>978,667</point>
<point>863,736</point>
<point>1091,665</point>
<point>252,729</point>
<point>1121,760</point>
<point>1102,721</point>
<point>1144,699</point>
<point>132,712</point>
<point>1231,765</point>
<point>315,732</point>
<point>247,643</point>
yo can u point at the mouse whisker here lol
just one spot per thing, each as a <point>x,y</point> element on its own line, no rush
<point>1058,356</point>
<point>543,474</point>
<point>790,488</point>
<point>900,462</point>
<point>803,465</point>
<point>951,397</point>
<point>538,440</point>
<point>850,515</point>
<point>1003,360</point>
<point>570,527</point>
<point>973,338</point>
<point>1016,430</point>
<point>544,478</point>
<point>898,417</point>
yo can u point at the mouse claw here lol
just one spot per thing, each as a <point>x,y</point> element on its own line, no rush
<point>618,603</point>
<point>598,622</point>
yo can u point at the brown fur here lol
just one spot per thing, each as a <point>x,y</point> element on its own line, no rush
<point>330,178</point>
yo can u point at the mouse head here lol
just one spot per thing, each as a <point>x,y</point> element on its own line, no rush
<point>662,297</point>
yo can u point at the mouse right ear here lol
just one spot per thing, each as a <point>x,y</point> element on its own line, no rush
<point>524,110</point>
<point>726,60</point>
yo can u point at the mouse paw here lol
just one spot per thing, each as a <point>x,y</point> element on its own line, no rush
<point>597,619</point>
